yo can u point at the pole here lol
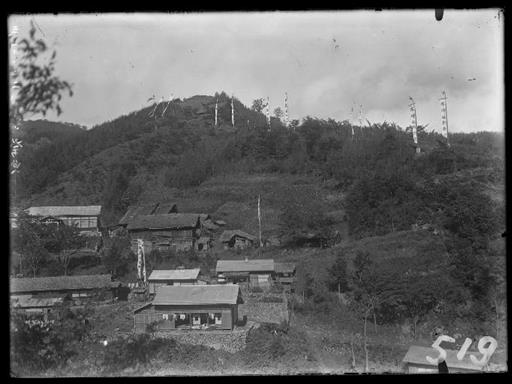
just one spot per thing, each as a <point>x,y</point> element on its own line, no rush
<point>259,220</point>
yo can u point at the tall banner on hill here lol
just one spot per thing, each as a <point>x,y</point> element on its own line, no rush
<point>232,111</point>
<point>141,261</point>
<point>286,109</point>
<point>444,116</point>
<point>268,111</point>
<point>167,106</point>
<point>216,110</point>
<point>414,123</point>
<point>140,246</point>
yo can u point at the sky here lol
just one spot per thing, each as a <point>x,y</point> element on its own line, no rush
<point>332,64</point>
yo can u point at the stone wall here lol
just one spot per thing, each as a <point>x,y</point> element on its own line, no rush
<point>231,341</point>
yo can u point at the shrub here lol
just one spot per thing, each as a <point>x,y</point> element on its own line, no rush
<point>37,345</point>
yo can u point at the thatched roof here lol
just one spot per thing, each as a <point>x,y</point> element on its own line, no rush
<point>136,210</point>
<point>165,208</point>
<point>167,221</point>
<point>227,235</point>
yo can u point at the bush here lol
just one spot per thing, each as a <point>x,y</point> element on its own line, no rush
<point>37,345</point>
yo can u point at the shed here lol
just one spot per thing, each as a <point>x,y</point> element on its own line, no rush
<point>191,307</point>
<point>164,277</point>
<point>241,270</point>
<point>285,274</point>
<point>237,239</point>
<point>415,361</point>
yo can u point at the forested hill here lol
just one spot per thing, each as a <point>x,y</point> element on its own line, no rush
<point>388,186</point>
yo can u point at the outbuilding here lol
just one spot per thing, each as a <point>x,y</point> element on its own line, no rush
<point>164,277</point>
<point>256,272</point>
<point>236,239</point>
<point>205,307</point>
<point>285,274</point>
<point>415,361</point>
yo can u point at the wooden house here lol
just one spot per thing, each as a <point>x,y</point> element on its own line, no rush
<point>285,274</point>
<point>258,272</point>
<point>162,277</point>
<point>236,239</point>
<point>175,231</point>
<point>147,209</point>
<point>85,218</point>
<point>191,307</point>
<point>77,288</point>
<point>415,361</point>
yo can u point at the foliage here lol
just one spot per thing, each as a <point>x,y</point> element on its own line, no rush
<point>29,243</point>
<point>304,215</point>
<point>38,344</point>
<point>338,278</point>
<point>117,256</point>
<point>37,90</point>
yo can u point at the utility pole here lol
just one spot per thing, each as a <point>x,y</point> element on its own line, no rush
<point>444,116</point>
<point>414,123</point>
<point>286,109</point>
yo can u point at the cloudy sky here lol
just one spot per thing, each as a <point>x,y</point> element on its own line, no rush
<point>330,63</point>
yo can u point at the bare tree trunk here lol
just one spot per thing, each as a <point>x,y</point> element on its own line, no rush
<point>497,319</point>
<point>365,345</point>
<point>374,321</point>
<point>353,355</point>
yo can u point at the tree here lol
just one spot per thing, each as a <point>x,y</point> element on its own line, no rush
<point>338,279</point>
<point>258,105</point>
<point>304,216</point>
<point>34,88</point>
<point>116,255</point>
<point>29,244</point>
<point>37,90</point>
<point>278,113</point>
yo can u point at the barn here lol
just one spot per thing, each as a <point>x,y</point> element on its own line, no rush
<point>415,361</point>
<point>77,288</point>
<point>206,307</point>
<point>256,273</point>
<point>236,239</point>
<point>175,231</point>
<point>164,277</point>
